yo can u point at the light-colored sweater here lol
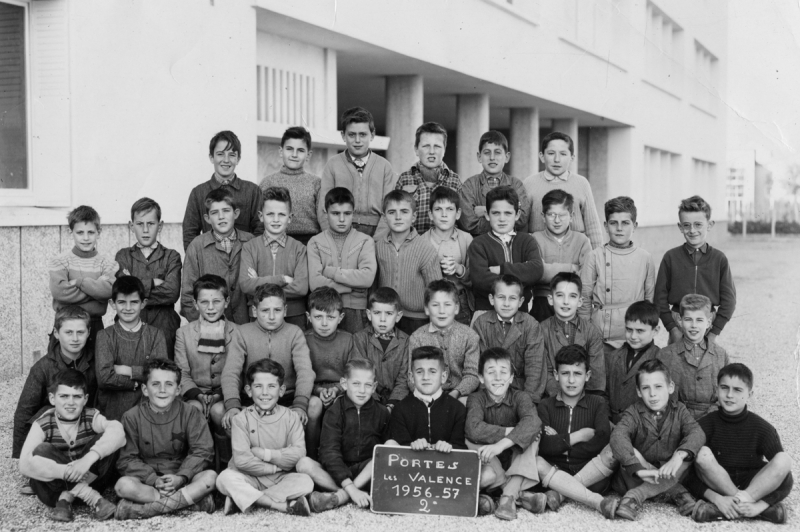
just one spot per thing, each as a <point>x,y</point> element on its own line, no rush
<point>350,274</point>
<point>93,275</point>
<point>264,445</point>
<point>559,256</point>
<point>289,260</point>
<point>304,191</point>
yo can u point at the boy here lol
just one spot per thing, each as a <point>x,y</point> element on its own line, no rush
<point>343,259</point>
<point>695,268</point>
<point>386,346</point>
<point>267,444</point>
<point>694,362</point>
<point>124,348</point>
<point>430,173</point>
<point>517,332</point>
<point>158,268</point>
<point>81,276</point>
<point>168,450</point>
<point>451,246</point>
<point>615,275</point>
<point>576,430</point>
<point>503,427</point>
<point>567,328</point>
<point>368,175</point>
<point>352,427</point>
<point>219,252</point>
<point>558,152</point>
<point>295,150</point>
<point>502,251</point>
<point>224,152</point>
<point>743,470</point>
<point>68,350</point>
<point>655,442</point>
<point>493,156</point>
<point>406,262</point>
<point>276,258</point>
<point>71,448</point>
<point>457,341</point>
<point>562,250</point>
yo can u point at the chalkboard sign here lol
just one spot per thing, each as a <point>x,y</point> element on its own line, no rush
<point>425,482</point>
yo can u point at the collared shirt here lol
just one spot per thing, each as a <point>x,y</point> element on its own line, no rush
<point>226,243</point>
<point>359,162</point>
<point>413,181</point>
<point>487,419</point>
<point>693,251</point>
<point>147,250</point>
<point>569,328</point>
<point>428,399</point>
<point>273,242</point>
<point>506,324</point>
<point>264,413</point>
<point>134,329</point>
<point>695,350</point>
<point>634,355</point>
<point>232,182</point>
<point>550,177</point>
<point>506,238</point>
<point>72,364</point>
<point>492,180</point>
<point>388,336</point>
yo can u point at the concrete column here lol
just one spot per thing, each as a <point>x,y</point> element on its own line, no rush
<point>524,141</point>
<point>472,111</point>
<point>330,104</point>
<point>404,115</point>
<point>570,127</point>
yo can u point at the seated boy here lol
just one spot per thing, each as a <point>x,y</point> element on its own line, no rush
<point>224,152</point>
<point>562,249</point>
<point>343,259</point>
<point>451,246</point>
<point>276,258</point>
<point>655,443</point>
<point>503,427</point>
<point>567,328</point>
<point>168,450</point>
<point>695,362</point>
<point>81,276</point>
<point>493,156</point>
<point>517,332</point>
<point>743,470</point>
<point>218,252</point>
<point>694,268</point>
<point>124,348</point>
<point>71,448</point>
<point>368,175</point>
<point>267,444</point>
<point>616,275</point>
<point>576,430</point>
<point>158,267</point>
<point>295,150</point>
<point>501,250</point>
<point>351,429</point>
<point>406,262</point>
<point>458,342</point>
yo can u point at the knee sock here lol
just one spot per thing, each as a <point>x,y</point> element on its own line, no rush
<point>86,493</point>
<point>648,491</point>
<point>342,496</point>
<point>177,501</point>
<point>593,472</point>
<point>572,488</point>
<point>68,496</point>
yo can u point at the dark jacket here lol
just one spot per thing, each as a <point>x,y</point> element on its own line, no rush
<point>586,335</point>
<point>487,421</point>
<point>443,419</point>
<point>590,412</point>
<point>391,366</point>
<point>621,383</point>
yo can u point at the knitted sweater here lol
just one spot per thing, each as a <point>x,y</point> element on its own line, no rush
<point>288,260</point>
<point>443,419</point>
<point>473,194</point>
<point>281,433</point>
<point>460,346</point>
<point>391,365</point>
<point>304,191</point>
<point>559,256</point>
<point>590,412</point>
<point>93,275</point>
<point>741,441</point>
<point>351,273</point>
<point>329,354</point>
<point>201,372</point>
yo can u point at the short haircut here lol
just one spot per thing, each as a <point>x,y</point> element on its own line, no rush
<point>85,214</point>
<point>643,311</point>
<point>503,193</point>
<point>299,133</point>
<point>71,312</point>
<point>695,302</point>
<point>384,296</point>
<point>428,352</point>
<point>339,196</point>
<point>434,128</point>
<point>219,195</point>
<point>127,285</point>
<point>508,280</point>
<point>558,197</point>
<point>566,277</point>
<point>653,366</point>
<point>695,204</point>
<point>209,281</point>
<point>232,142</point>
<point>71,378</point>
<point>326,299</point>
<point>145,205</point>
<point>268,290</point>
<point>443,193</point>
<point>440,285</point>
<point>557,135</point>
<point>570,355</point>
<point>738,370</point>
<point>621,204</point>
<point>493,137</point>
<point>357,115</point>
<point>494,353</point>
<point>280,194</point>
<point>265,365</point>
<point>163,364</point>
<point>358,363</point>
<point>398,196</point>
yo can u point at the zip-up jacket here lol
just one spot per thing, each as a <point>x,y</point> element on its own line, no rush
<point>441,420</point>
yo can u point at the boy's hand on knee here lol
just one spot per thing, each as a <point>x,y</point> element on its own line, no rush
<point>301,414</point>
<point>443,447</point>
<point>675,335</point>
<point>728,507</point>
<point>228,418</point>
<point>419,445</point>
<point>648,475</point>
<point>359,497</point>
<point>173,482</point>
<point>670,469</point>
<point>78,469</point>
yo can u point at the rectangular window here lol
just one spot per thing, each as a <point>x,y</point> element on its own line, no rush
<point>703,177</point>
<point>705,69</point>
<point>661,180</point>
<point>13,99</point>
<point>663,50</point>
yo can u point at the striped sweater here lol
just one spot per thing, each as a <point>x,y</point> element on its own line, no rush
<point>304,191</point>
<point>93,275</point>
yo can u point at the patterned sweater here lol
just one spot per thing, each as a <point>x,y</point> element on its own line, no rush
<point>304,191</point>
<point>460,346</point>
<point>93,275</point>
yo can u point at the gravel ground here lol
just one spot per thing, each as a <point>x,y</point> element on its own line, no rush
<point>763,334</point>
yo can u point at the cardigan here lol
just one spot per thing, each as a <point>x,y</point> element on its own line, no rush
<point>441,420</point>
<point>93,274</point>
<point>586,335</point>
<point>591,412</point>
<point>281,433</point>
<point>304,191</point>
<point>391,365</point>
<point>473,194</point>
<point>351,275</point>
<point>289,259</point>
<point>621,382</point>
<point>201,373</point>
<point>559,256</point>
<point>460,346</point>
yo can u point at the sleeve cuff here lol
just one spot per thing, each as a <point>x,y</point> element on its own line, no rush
<point>634,468</point>
<point>233,403</point>
<point>346,482</point>
<point>689,455</point>
<point>192,394</point>
<point>137,373</point>
<point>329,272</point>
<point>300,402</point>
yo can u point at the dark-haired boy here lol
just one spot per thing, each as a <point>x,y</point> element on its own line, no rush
<point>124,349</point>
<point>695,268</point>
<point>303,187</point>
<point>224,152</point>
<point>158,267</point>
<point>493,155</point>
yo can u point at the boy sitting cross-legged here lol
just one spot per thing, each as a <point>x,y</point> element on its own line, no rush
<point>503,427</point>
<point>168,450</point>
<point>71,448</point>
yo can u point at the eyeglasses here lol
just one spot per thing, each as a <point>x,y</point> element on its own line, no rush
<point>697,226</point>
<point>553,216</point>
